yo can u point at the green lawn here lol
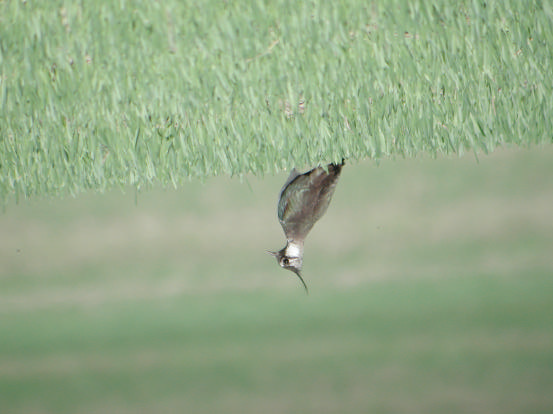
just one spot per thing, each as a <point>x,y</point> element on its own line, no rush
<point>430,292</point>
<point>102,94</point>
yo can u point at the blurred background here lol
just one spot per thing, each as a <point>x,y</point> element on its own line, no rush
<point>431,291</point>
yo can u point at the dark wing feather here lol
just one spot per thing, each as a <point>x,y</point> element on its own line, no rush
<point>293,174</point>
<point>305,199</point>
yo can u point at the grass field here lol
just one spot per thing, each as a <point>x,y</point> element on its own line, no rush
<point>431,292</point>
<point>100,94</point>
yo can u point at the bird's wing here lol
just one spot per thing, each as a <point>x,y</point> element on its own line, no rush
<point>304,199</point>
<point>293,174</point>
<point>327,181</point>
<point>292,195</point>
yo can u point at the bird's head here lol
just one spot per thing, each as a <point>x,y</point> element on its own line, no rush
<point>290,262</point>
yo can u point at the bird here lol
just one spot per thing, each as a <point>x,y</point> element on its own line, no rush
<point>303,200</point>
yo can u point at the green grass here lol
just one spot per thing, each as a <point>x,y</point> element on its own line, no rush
<point>474,344</point>
<point>430,291</point>
<point>115,94</point>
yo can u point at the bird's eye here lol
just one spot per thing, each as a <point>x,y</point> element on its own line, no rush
<point>285,261</point>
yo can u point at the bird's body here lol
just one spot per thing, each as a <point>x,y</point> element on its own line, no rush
<point>303,200</point>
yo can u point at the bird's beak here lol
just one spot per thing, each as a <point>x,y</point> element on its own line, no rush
<point>274,254</point>
<point>297,272</point>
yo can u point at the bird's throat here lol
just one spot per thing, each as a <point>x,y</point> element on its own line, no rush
<point>294,249</point>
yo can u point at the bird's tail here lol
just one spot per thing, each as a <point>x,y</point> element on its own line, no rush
<point>337,167</point>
